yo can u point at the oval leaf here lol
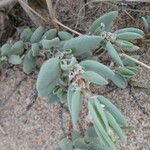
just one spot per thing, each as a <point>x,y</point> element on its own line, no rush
<point>113,54</point>
<point>94,77</point>
<point>81,44</point>
<point>29,62</point>
<point>37,35</point>
<point>14,59</point>
<point>113,110</point>
<point>48,76</point>
<point>107,19</point>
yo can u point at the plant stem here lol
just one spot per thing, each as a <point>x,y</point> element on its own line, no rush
<point>62,25</point>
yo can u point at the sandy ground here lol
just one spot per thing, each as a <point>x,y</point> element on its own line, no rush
<point>39,127</point>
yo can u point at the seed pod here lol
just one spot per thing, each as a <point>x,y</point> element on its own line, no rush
<point>113,110</point>
<point>29,62</point>
<point>64,35</point>
<point>81,44</point>
<point>94,77</point>
<point>125,72</point>
<point>129,36</point>
<point>97,122</point>
<point>113,54</point>
<point>134,30</point>
<point>48,44</point>
<point>35,49</point>
<point>50,34</point>
<point>116,127</point>
<point>76,103</point>
<point>17,48</point>
<point>6,50</point>
<point>48,76</point>
<point>107,19</point>
<point>126,46</point>
<point>37,35</point>
<point>104,71</point>
<point>15,60</point>
<point>26,35</point>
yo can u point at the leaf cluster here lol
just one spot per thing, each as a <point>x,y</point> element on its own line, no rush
<point>70,68</point>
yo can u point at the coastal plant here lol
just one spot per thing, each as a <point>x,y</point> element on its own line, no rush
<point>70,67</point>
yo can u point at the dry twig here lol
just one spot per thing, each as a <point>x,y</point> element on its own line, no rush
<point>135,60</point>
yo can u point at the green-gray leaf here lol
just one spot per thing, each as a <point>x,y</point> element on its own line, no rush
<point>50,34</point>
<point>14,59</point>
<point>113,54</point>
<point>48,44</point>
<point>81,44</point>
<point>48,76</point>
<point>26,34</point>
<point>76,102</point>
<point>66,144</point>
<point>107,19</point>
<point>29,62</point>
<point>64,35</point>
<point>37,35</point>
<point>129,36</point>
<point>113,110</point>
<point>125,72</point>
<point>94,77</point>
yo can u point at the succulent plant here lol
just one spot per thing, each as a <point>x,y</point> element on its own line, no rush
<point>69,70</point>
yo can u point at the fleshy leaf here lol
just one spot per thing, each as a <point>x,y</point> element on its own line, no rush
<point>26,34</point>
<point>113,110</point>
<point>17,48</point>
<point>48,44</point>
<point>64,35</point>
<point>35,49</point>
<point>120,81</point>
<point>129,36</point>
<point>29,62</point>
<point>53,99</point>
<point>131,29</point>
<point>107,19</point>
<point>37,35</point>
<point>66,144</point>
<point>6,50</point>
<point>50,34</point>
<point>81,44</point>
<point>91,65</point>
<point>113,54</point>
<point>48,77</point>
<point>116,127</point>
<point>14,59</point>
<point>125,72</point>
<point>94,77</point>
<point>126,46</point>
<point>76,103</point>
<point>97,121</point>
